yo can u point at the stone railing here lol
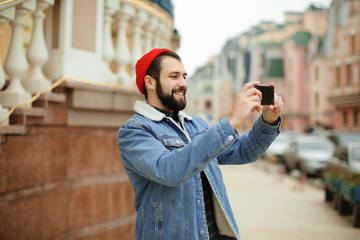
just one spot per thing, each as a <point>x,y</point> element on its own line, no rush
<point>50,48</point>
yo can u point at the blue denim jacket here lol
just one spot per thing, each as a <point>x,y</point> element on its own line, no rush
<point>164,163</point>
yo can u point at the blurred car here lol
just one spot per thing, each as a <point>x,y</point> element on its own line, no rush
<point>275,153</point>
<point>308,154</point>
<point>348,155</point>
<point>342,138</point>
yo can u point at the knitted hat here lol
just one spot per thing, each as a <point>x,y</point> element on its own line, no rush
<point>143,64</point>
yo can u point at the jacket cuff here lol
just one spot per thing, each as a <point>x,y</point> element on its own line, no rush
<point>226,132</point>
<point>269,128</point>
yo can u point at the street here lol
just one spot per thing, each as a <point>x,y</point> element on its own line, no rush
<point>272,206</point>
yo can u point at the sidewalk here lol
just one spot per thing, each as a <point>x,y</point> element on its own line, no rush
<point>267,207</point>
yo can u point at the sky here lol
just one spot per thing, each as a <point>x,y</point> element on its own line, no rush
<point>205,25</point>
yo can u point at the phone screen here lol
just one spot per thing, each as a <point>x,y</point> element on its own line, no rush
<point>267,94</point>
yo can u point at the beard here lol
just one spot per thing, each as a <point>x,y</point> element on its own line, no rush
<point>168,100</point>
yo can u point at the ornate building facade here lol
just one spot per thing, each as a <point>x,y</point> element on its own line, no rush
<point>291,55</point>
<point>67,85</point>
<point>342,48</point>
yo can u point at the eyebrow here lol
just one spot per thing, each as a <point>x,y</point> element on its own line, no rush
<point>176,72</point>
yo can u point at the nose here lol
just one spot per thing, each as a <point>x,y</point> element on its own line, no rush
<point>182,82</point>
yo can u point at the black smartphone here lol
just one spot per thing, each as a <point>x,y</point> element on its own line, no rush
<point>267,94</point>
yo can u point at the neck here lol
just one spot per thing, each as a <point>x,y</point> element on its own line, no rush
<point>156,103</point>
<point>172,114</point>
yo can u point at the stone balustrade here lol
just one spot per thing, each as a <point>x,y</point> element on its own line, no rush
<point>100,42</point>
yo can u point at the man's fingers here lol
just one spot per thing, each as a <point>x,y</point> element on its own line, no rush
<point>255,98</point>
<point>249,85</point>
<point>252,92</point>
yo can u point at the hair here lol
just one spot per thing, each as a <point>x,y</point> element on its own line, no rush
<point>155,68</point>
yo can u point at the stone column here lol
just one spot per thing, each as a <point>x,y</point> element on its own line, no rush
<point>37,53</point>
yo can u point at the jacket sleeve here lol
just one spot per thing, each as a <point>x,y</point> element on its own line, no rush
<point>249,147</point>
<point>142,153</point>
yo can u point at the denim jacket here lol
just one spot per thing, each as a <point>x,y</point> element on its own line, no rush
<point>164,162</point>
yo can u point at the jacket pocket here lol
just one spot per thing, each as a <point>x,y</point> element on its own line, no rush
<point>157,221</point>
<point>172,143</point>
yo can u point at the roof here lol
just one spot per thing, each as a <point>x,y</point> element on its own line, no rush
<point>301,38</point>
<point>166,5</point>
<point>314,8</point>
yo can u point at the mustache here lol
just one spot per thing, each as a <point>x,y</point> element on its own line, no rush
<point>181,89</point>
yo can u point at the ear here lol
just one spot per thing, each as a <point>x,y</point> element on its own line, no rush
<point>150,83</point>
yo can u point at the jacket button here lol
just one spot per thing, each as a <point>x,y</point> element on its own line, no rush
<point>198,201</point>
<point>177,141</point>
<point>231,137</point>
<point>202,232</point>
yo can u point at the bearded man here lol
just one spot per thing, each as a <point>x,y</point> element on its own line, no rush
<point>172,159</point>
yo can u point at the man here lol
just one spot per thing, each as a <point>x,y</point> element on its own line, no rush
<point>172,159</point>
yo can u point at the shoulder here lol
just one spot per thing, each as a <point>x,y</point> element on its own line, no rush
<point>136,120</point>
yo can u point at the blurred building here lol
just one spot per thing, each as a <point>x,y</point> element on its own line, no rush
<point>342,47</point>
<point>213,86</point>
<point>291,55</point>
<point>306,101</point>
<point>71,62</point>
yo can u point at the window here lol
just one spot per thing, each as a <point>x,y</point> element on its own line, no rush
<point>349,75</point>
<point>356,118</point>
<point>316,100</point>
<point>338,75</point>
<point>208,88</point>
<point>354,7</point>
<point>208,105</point>
<point>316,73</point>
<point>352,45</point>
<point>345,119</point>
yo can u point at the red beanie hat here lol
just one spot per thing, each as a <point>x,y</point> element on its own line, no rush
<point>143,64</point>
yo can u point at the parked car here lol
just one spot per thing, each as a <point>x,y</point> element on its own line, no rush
<point>341,138</point>
<point>308,154</point>
<point>275,153</point>
<point>348,155</point>
<point>341,180</point>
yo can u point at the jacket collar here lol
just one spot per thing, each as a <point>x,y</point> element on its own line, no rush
<point>151,113</point>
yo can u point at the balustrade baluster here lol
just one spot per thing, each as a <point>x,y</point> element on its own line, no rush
<point>111,6</point>
<point>137,47</point>
<point>109,50</point>
<point>2,75</point>
<point>5,15</point>
<point>37,53</point>
<point>154,31</point>
<point>149,33</point>
<point>157,36</point>
<point>122,54</point>
<point>137,24</point>
<point>165,36</point>
<point>16,65</point>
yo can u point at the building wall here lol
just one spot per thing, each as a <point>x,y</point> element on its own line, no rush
<point>64,182</point>
<point>321,111</point>
<point>343,52</point>
<point>61,175</point>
